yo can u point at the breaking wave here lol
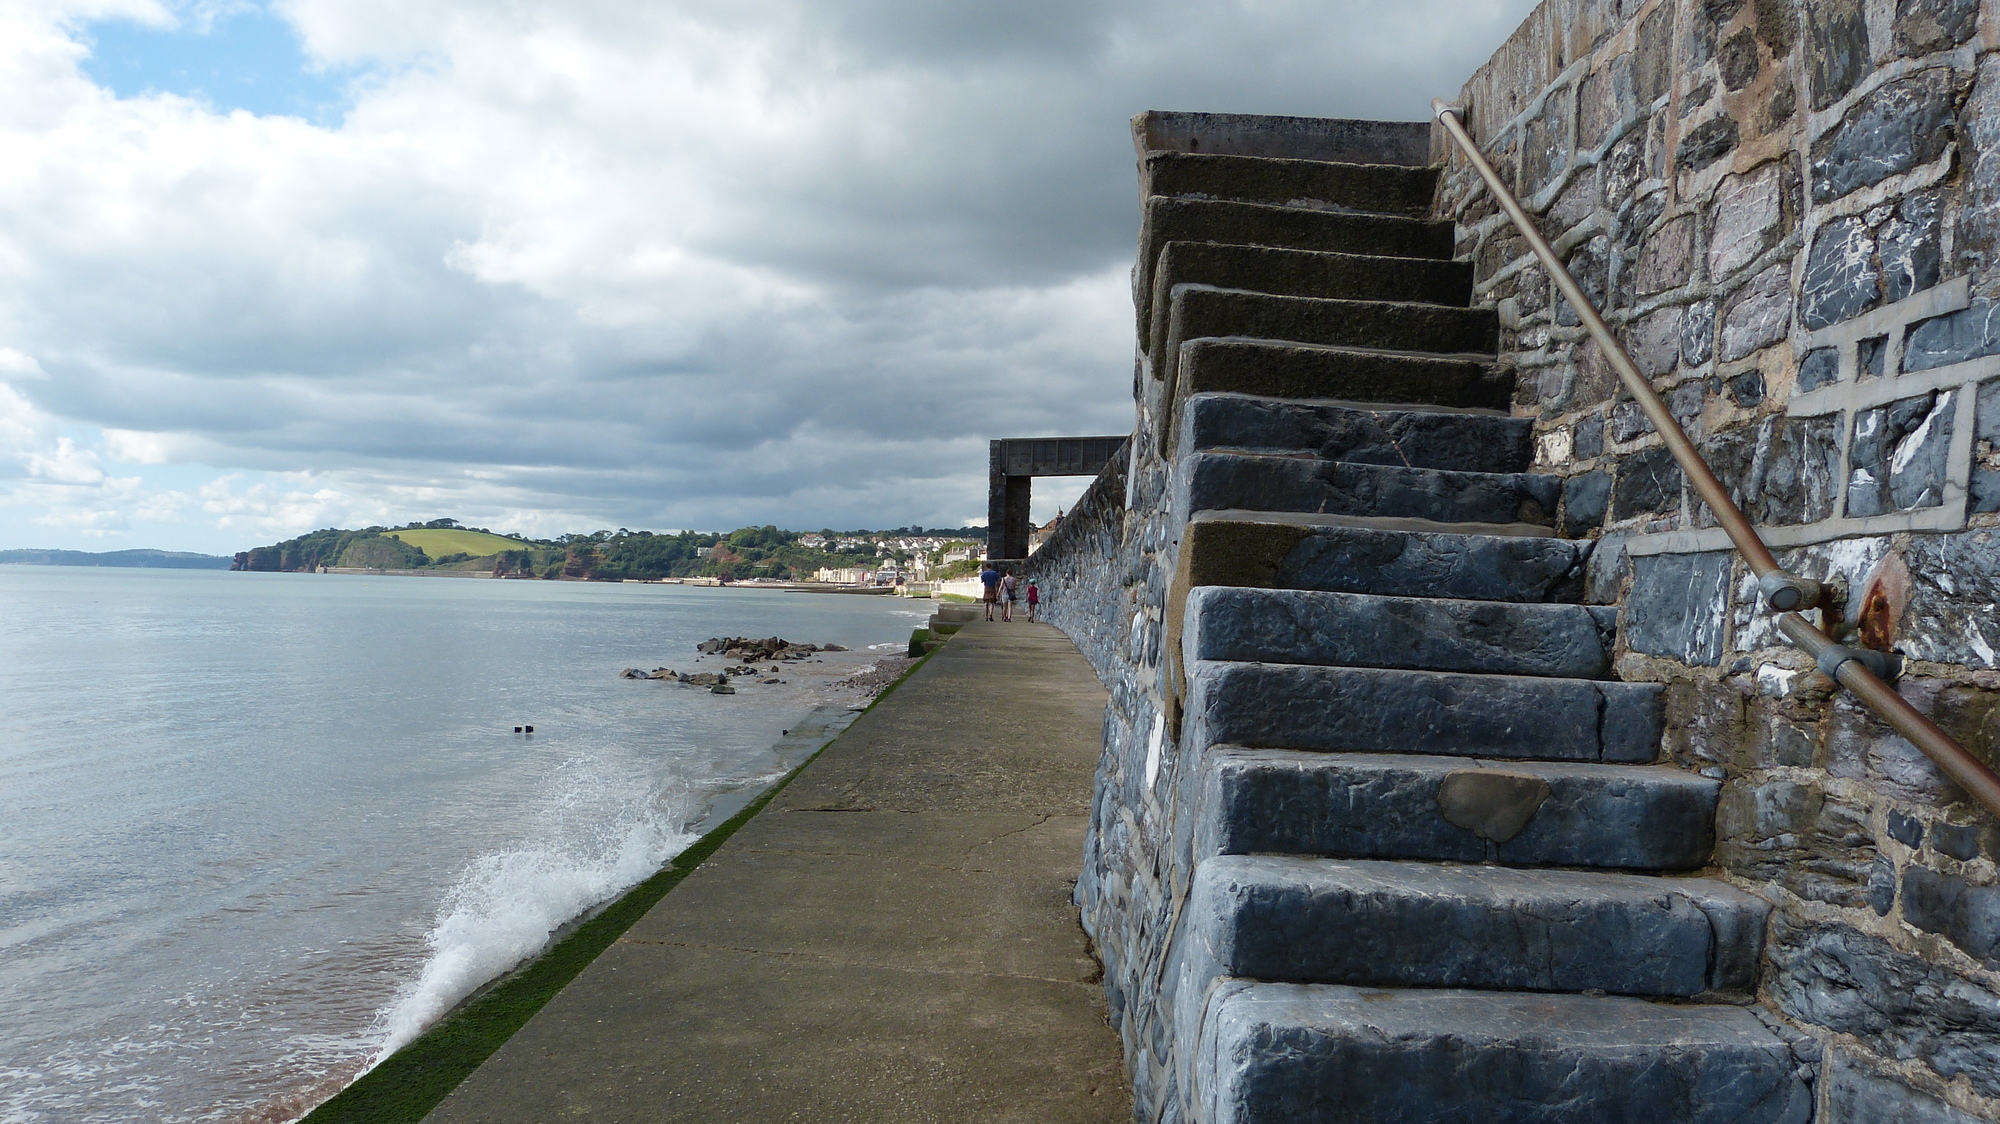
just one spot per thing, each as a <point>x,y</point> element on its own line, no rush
<point>505,907</point>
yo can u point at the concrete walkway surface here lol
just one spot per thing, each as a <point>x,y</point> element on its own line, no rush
<point>891,939</point>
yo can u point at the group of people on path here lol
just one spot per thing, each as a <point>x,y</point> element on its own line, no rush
<point>1003,589</point>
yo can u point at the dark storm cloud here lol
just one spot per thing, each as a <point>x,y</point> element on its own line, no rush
<point>571,265</point>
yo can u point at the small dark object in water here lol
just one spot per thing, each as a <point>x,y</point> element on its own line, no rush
<point>517,729</point>
<point>531,729</point>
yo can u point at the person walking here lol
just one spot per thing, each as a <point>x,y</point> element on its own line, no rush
<point>1009,590</point>
<point>1034,599</point>
<point>989,578</point>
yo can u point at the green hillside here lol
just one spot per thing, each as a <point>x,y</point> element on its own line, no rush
<point>441,541</point>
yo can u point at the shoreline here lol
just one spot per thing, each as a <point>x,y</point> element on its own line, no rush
<point>403,1087</point>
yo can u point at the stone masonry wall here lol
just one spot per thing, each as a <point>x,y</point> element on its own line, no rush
<point>1104,584</point>
<point>1790,211</point>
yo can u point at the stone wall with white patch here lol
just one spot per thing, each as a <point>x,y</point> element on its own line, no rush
<point>1789,210</point>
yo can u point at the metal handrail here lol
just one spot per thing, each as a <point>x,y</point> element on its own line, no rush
<point>1859,670</point>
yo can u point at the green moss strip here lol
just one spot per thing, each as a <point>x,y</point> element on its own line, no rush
<point>411,1082</point>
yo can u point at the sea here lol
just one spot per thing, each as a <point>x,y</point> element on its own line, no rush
<point>258,830</point>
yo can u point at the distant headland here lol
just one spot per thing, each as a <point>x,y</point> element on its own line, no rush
<point>146,559</point>
<point>446,547</point>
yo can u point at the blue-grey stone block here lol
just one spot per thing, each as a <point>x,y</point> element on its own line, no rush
<point>1586,498</point>
<point>1386,806</point>
<point>1698,333</point>
<point>1910,249</point>
<point>1403,924</point>
<point>1706,143</point>
<point>1924,26</point>
<point>1837,50</point>
<point>1898,1005</point>
<point>1274,1052</point>
<point>1842,279</point>
<point>1678,606</point>
<point>1434,564</point>
<point>1286,706</point>
<point>1953,338</point>
<point>1906,830</point>
<point>1589,437</point>
<point>1957,840</point>
<point>1819,368</point>
<point>1414,438</point>
<point>1901,125</point>
<point>1648,482</point>
<point>1967,915</point>
<point>1249,482</point>
<point>1898,458</point>
<point>1858,1094</point>
<point>1368,630</point>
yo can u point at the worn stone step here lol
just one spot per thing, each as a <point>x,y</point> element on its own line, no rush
<point>1450,809</point>
<point>1271,1052</point>
<point>1302,138</point>
<point>1202,312</point>
<point>1298,273</point>
<point>1218,481</point>
<point>1288,370</point>
<point>1388,189</point>
<point>1419,438</point>
<point>1287,228</point>
<point>1405,924</point>
<point>1199,312</point>
<point>1273,555</point>
<point>1438,713</point>
<point>1370,630</point>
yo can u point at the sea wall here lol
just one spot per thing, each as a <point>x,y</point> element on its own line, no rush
<point>1790,212</point>
<point>1104,576</point>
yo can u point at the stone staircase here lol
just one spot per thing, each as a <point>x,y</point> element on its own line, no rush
<point>1436,874</point>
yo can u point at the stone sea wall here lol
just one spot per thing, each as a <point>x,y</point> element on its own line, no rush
<point>1104,575</point>
<point>1790,212</point>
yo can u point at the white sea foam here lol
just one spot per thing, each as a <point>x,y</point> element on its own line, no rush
<point>505,906</point>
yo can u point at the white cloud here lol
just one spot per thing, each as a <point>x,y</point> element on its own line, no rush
<point>599,264</point>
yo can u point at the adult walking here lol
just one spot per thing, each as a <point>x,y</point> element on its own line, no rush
<point>1009,590</point>
<point>989,580</point>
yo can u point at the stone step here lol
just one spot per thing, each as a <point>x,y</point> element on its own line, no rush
<point>1418,438</point>
<point>1287,370</point>
<point>1450,809</point>
<point>1298,273</point>
<point>1198,312</point>
<point>1371,923</point>
<point>1300,138</point>
<point>1384,189</point>
<point>1286,228</point>
<point>1215,481</point>
<point>1272,555</point>
<point>1271,1052</point>
<point>1294,626</point>
<point>1437,713</point>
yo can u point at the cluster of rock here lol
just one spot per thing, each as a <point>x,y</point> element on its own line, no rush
<point>770,648</point>
<point>716,681</point>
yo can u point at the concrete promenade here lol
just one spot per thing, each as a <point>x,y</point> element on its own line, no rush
<point>891,939</point>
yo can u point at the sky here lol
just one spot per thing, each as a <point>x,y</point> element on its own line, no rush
<point>557,266</point>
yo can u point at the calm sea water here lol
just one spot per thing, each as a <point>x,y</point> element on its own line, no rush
<point>256,829</point>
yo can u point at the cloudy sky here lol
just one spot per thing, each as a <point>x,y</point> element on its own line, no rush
<point>555,266</point>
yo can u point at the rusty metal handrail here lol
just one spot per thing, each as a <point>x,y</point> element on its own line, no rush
<point>1859,670</point>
